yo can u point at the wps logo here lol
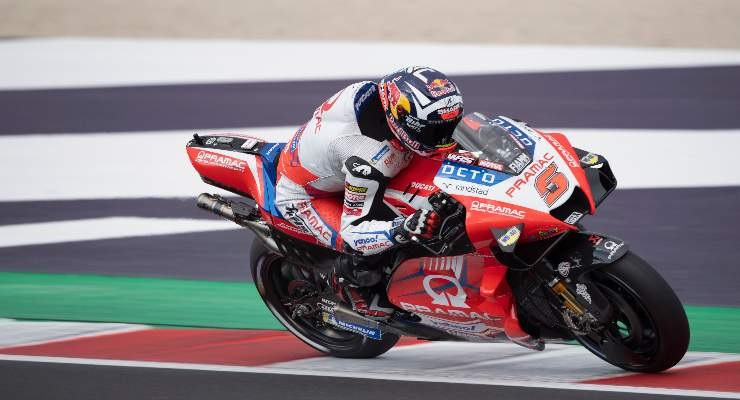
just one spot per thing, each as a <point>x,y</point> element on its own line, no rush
<point>444,298</point>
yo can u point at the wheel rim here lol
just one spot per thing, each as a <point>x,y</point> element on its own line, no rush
<point>630,339</point>
<point>277,276</point>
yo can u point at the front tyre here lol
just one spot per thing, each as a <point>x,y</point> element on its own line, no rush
<point>649,331</point>
<point>273,277</point>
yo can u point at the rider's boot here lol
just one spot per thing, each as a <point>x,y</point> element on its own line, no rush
<point>353,279</point>
<point>375,308</point>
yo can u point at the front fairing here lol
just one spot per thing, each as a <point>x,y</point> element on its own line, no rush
<point>509,175</point>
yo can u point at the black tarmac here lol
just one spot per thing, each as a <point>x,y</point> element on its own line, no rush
<point>21,381</point>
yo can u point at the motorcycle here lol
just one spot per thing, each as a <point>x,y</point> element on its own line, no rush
<point>511,261</point>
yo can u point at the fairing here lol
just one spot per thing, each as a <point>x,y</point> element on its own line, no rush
<point>519,187</point>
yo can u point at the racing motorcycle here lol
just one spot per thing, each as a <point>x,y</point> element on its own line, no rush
<point>511,261</point>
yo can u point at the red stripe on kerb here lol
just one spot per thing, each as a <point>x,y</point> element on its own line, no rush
<point>720,377</point>
<point>200,346</point>
<point>196,346</point>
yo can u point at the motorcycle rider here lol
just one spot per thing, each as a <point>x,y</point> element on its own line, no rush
<point>333,172</point>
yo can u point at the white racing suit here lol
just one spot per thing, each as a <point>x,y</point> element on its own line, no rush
<point>333,172</point>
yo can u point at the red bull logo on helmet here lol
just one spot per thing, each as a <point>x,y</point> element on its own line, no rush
<point>440,87</point>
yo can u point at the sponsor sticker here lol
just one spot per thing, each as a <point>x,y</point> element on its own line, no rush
<point>383,151</point>
<point>446,312</point>
<point>269,151</point>
<point>355,189</point>
<point>448,113</point>
<point>349,196</point>
<point>367,90</point>
<point>612,247</point>
<point>249,144</point>
<point>520,162</point>
<point>423,186</point>
<point>367,240</point>
<point>496,209</point>
<point>218,160</point>
<point>353,204</point>
<point>368,331</point>
<point>563,151</point>
<point>461,158</point>
<point>510,237</point>
<point>491,165</point>
<point>440,87</point>
<point>472,174</point>
<point>373,246</point>
<point>461,188</point>
<point>573,218</point>
<point>351,211</point>
<point>590,159</point>
<point>446,298</point>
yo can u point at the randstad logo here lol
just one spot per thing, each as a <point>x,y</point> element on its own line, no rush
<point>467,174</point>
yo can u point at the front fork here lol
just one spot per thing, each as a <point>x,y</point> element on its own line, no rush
<point>566,272</point>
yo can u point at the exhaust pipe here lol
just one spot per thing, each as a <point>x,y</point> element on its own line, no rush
<point>224,209</point>
<point>216,205</point>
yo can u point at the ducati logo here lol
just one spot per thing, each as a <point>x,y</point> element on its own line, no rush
<point>444,298</point>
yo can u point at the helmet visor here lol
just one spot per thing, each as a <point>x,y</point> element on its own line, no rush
<point>438,135</point>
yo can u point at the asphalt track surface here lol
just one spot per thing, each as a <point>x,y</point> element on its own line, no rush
<point>78,382</point>
<point>668,98</point>
<point>700,225</point>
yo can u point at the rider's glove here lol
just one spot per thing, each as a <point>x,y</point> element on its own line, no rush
<point>421,224</point>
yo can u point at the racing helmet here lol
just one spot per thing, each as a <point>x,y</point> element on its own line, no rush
<point>422,107</point>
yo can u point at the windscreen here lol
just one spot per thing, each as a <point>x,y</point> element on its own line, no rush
<point>491,143</point>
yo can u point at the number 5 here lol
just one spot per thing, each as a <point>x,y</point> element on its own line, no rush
<point>551,184</point>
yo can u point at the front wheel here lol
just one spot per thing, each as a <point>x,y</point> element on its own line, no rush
<point>277,279</point>
<point>649,331</point>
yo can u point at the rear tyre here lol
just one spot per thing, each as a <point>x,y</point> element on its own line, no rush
<point>273,276</point>
<point>649,331</point>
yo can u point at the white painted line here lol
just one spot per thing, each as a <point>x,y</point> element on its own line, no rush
<point>103,228</point>
<point>374,376</point>
<point>552,352</point>
<point>90,62</point>
<point>642,158</point>
<point>712,358</point>
<point>105,166</point>
<point>31,333</point>
<point>154,164</point>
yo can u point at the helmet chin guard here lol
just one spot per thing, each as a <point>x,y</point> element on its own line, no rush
<point>422,107</point>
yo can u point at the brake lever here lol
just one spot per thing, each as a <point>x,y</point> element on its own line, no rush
<point>448,209</point>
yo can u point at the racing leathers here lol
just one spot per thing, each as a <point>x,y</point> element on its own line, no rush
<point>333,172</point>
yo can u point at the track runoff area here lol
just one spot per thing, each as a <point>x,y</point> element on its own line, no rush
<point>99,222</point>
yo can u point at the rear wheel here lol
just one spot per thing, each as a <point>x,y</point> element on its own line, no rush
<point>649,331</point>
<point>280,283</point>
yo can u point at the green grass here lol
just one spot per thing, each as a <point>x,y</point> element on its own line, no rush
<point>193,303</point>
<point>134,300</point>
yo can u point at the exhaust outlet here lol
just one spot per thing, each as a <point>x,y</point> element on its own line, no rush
<point>216,205</point>
<point>224,209</point>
